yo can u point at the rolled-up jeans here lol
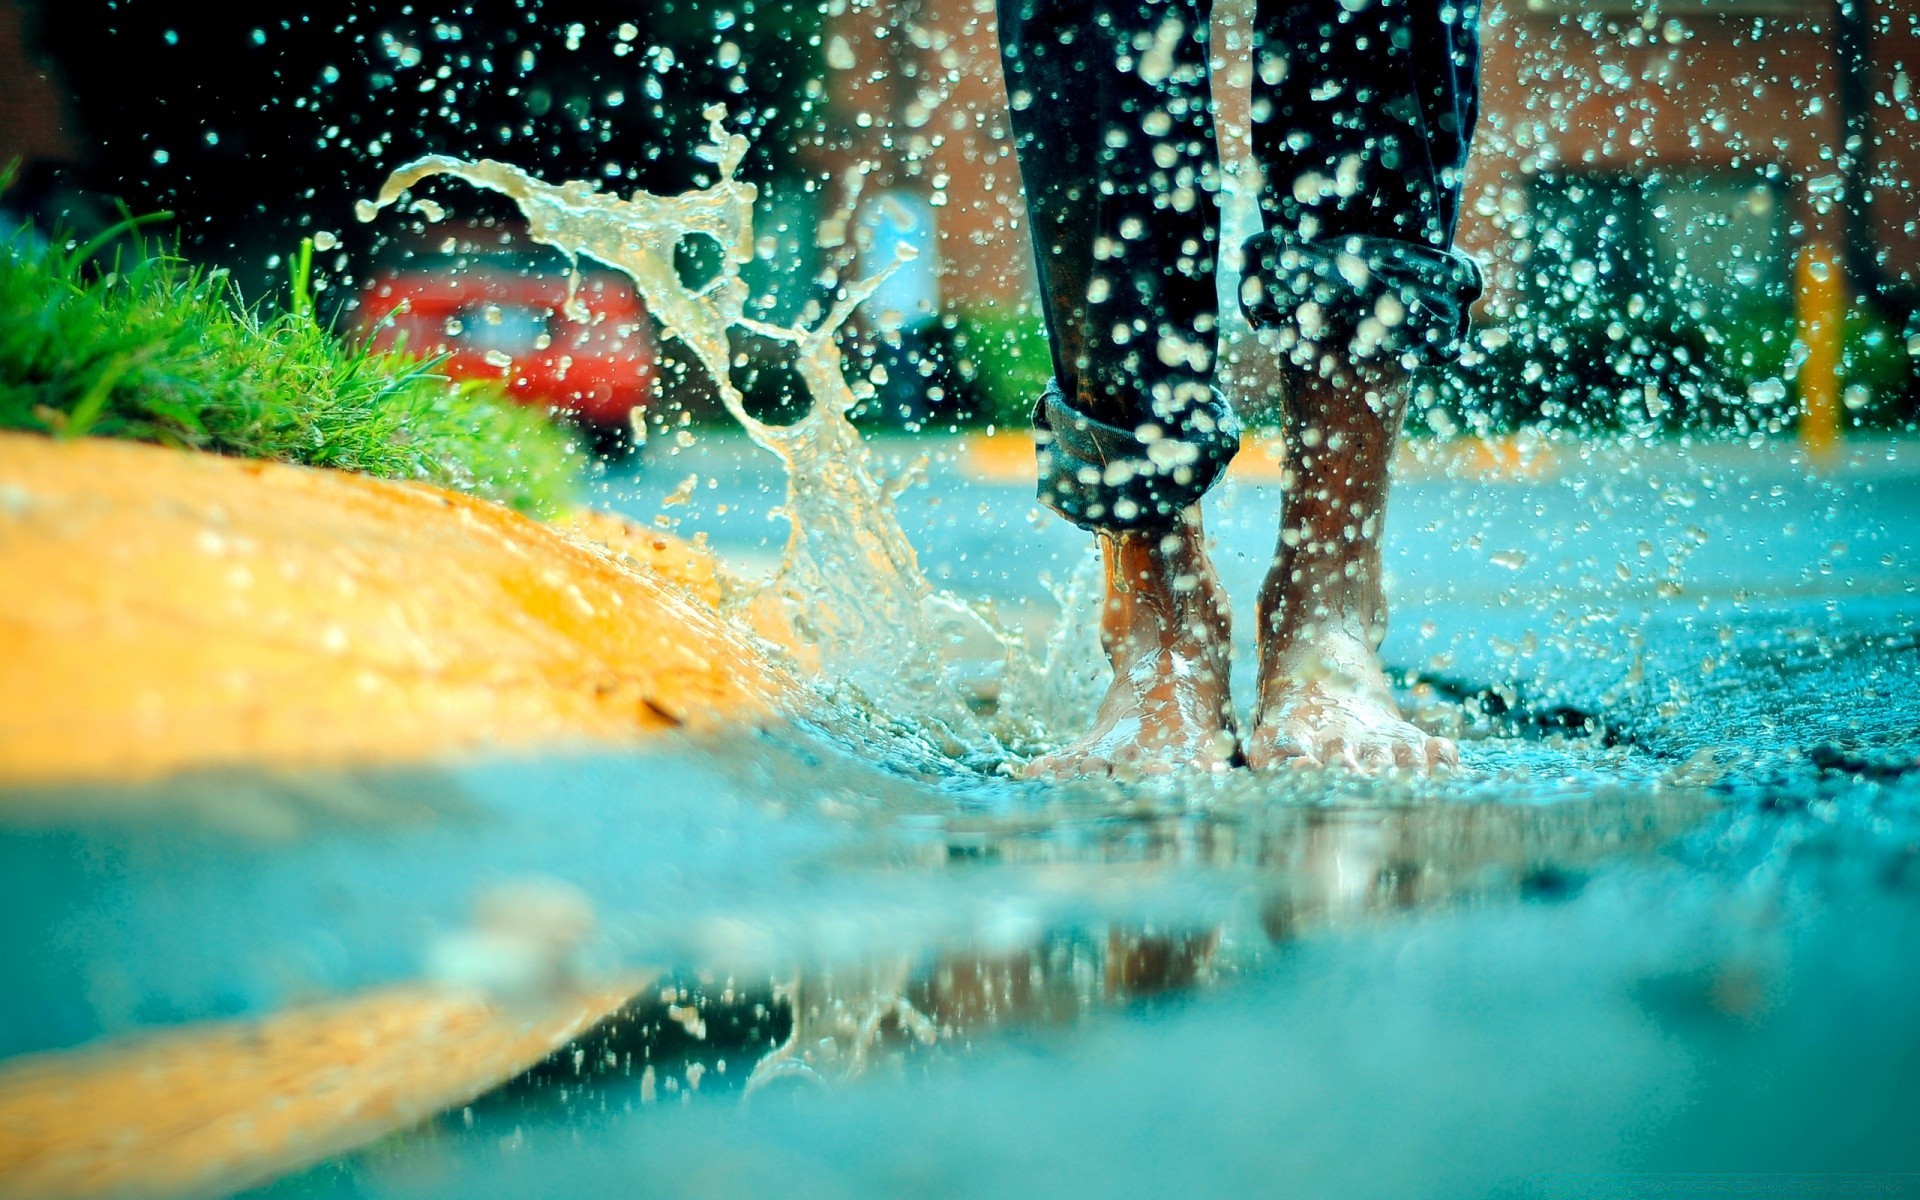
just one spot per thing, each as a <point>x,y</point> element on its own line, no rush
<point>1362,114</point>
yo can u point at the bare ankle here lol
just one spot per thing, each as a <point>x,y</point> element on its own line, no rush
<point>1325,582</point>
<point>1166,629</point>
<point>1161,585</point>
<point>1322,693</point>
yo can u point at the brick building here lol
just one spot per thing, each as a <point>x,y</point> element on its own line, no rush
<point>33,125</point>
<point>1706,137</point>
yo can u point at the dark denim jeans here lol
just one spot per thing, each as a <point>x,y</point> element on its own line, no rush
<point>1362,114</point>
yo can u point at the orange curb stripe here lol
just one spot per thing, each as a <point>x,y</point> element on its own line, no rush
<point>168,610</point>
<point>214,1108</point>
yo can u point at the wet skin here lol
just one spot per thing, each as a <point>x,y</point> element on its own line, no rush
<point>1321,696</point>
<point>1166,628</point>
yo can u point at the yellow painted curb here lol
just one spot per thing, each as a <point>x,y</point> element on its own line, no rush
<point>165,610</point>
<point>675,560</point>
<point>214,1108</point>
<point>1007,457</point>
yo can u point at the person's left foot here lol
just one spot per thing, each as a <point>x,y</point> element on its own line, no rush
<point>1324,699</point>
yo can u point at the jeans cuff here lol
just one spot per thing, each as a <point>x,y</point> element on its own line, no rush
<point>1104,477</point>
<point>1371,298</point>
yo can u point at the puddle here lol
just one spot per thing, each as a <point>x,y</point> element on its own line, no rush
<point>1612,946</point>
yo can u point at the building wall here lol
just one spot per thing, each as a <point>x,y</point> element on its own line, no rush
<point>1694,93</point>
<point>1561,92</point>
<point>32,117</point>
<point>915,93</point>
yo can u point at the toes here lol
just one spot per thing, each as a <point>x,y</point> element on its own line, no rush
<point>1265,752</point>
<point>1045,767</point>
<point>1219,750</point>
<point>1367,754</point>
<point>1339,752</point>
<point>1283,757</point>
<point>1131,767</point>
<point>1442,753</point>
<point>1059,767</point>
<point>1128,763</point>
<point>1300,751</point>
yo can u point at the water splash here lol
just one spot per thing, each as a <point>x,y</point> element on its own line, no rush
<point>849,585</point>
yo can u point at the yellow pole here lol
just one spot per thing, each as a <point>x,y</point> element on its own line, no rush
<point>1820,314</point>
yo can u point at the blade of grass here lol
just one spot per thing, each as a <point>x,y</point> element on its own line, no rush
<point>302,278</point>
<point>81,418</point>
<point>127,224</point>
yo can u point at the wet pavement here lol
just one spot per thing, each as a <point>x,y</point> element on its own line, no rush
<point>1664,924</point>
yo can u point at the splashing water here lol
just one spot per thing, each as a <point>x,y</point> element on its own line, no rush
<point>849,584</point>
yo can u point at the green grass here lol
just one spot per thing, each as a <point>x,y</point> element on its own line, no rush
<point>141,345</point>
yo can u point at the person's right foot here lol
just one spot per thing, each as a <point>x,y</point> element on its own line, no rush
<point>1323,699</point>
<point>1165,626</point>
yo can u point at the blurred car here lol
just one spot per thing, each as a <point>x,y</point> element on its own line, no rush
<point>496,311</point>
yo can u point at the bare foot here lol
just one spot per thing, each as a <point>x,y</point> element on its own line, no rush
<point>1165,627</point>
<point>1323,697</point>
<point>1326,701</point>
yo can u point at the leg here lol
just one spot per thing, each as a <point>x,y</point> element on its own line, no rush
<point>1322,695</point>
<point>1113,128</point>
<point>1363,122</point>
<point>1165,628</point>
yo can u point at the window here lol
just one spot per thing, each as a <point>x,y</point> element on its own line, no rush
<point>1706,242</point>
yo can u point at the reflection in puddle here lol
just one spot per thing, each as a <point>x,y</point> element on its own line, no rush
<point>839,927</point>
<point>1298,874</point>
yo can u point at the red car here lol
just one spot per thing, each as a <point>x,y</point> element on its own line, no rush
<point>496,314</point>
